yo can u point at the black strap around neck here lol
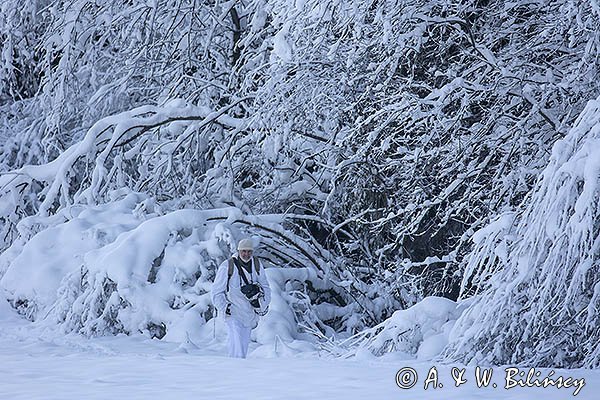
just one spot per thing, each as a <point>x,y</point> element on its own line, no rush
<point>242,266</point>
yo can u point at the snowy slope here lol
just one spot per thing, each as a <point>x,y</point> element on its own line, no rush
<point>38,364</point>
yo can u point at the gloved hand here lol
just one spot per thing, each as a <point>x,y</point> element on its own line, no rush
<point>263,311</point>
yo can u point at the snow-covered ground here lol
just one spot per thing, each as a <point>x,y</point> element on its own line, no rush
<point>39,364</point>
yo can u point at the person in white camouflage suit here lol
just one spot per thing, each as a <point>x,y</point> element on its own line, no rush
<point>241,294</point>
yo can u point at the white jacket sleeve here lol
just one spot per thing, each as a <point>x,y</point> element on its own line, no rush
<point>264,283</point>
<point>219,288</point>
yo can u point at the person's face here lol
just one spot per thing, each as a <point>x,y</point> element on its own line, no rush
<point>245,255</point>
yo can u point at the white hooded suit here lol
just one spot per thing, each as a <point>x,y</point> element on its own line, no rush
<point>243,318</point>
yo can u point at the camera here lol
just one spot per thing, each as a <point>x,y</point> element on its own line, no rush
<point>252,291</point>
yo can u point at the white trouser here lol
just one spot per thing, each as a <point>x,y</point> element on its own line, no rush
<point>239,338</point>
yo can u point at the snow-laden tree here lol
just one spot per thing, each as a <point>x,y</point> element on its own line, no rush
<point>409,123</point>
<point>94,60</point>
<point>70,63</point>
<point>540,269</point>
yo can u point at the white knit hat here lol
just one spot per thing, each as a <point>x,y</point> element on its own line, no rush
<point>245,244</point>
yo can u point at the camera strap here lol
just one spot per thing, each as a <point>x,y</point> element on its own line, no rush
<point>242,273</point>
<point>232,264</point>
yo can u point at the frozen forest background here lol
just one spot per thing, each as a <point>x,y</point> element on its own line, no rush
<point>385,155</point>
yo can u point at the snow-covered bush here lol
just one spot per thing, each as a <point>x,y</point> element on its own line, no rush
<point>421,330</point>
<point>541,304</point>
<point>125,266</point>
<point>50,249</point>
